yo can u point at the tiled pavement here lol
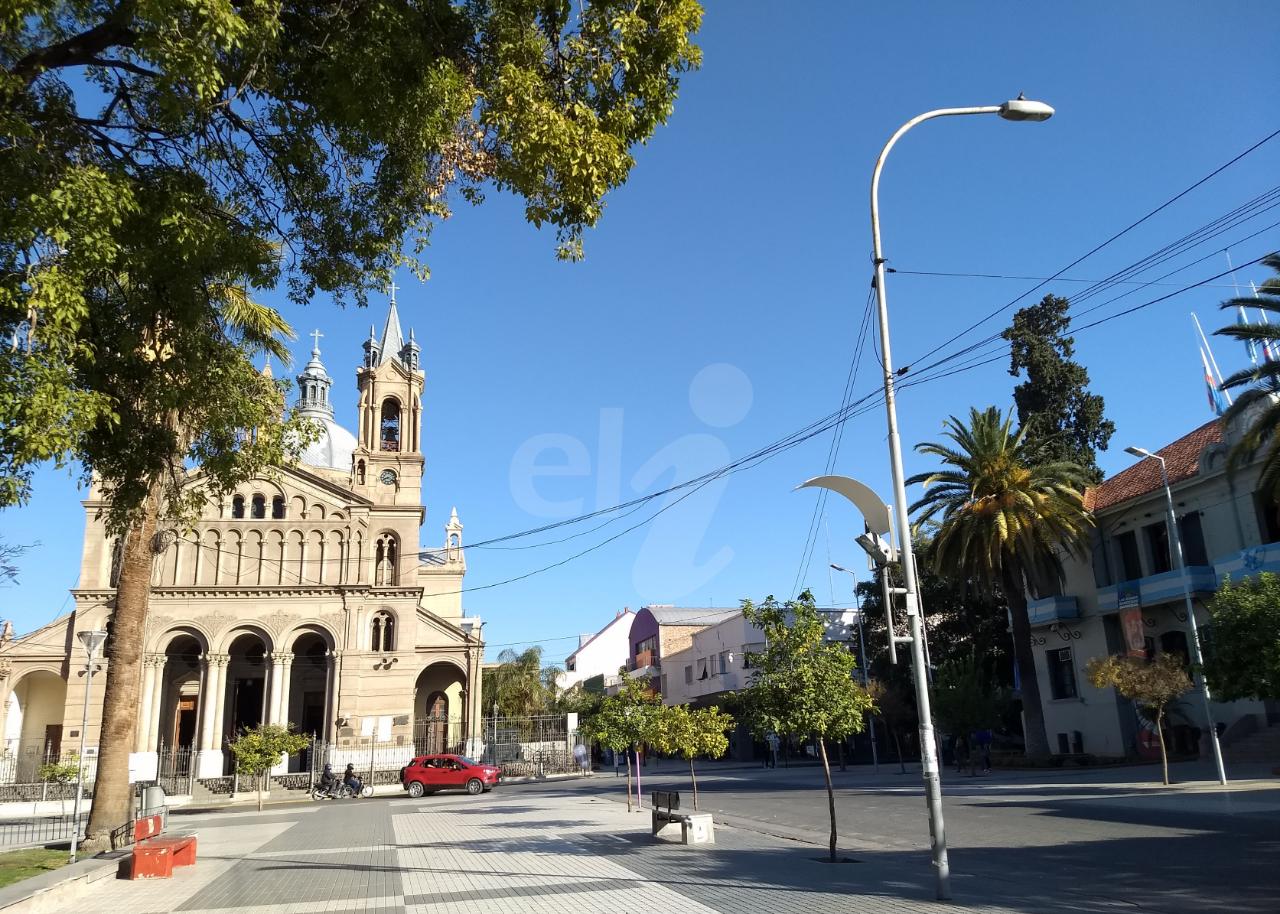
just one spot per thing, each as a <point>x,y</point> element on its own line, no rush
<point>536,851</point>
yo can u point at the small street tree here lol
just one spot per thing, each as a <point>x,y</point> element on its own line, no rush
<point>689,734</point>
<point>1243,659</point>
<point>258,749</point>
<point>61,773</point>
<point>625,721</point>
<point>1151,684</point>
<point>962,702</point>
<point>802,683</point>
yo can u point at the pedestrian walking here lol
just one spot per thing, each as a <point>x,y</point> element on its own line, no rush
<point>771,758</point>
<point>983,740</point>
<point>580,756</point>
<point>617,763</point>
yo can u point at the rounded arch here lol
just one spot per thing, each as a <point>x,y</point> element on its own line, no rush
<point>33,722</point>
<point>384,630</point>
<point>20,675</point>
<point>439,694</point>
<point>160,643</point>
<point>241,630</point>
<point>317,511</point>
<point>289,640</point>
<point>386,559</point>
<point>390,424</point>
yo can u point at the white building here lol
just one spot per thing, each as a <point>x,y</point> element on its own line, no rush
<point>1127,596</point>
<point>601,654</point>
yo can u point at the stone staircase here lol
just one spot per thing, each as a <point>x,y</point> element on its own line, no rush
<point>1262,746</point>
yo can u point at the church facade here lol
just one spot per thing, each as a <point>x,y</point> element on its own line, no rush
<point>304,598</point>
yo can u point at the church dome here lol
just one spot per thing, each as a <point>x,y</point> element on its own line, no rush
<point>333,449</point>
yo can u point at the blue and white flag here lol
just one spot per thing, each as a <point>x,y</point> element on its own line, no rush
<point>1217,402</point>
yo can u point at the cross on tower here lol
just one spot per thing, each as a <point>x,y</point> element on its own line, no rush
<point>393,291</point>
<point>315,336</point>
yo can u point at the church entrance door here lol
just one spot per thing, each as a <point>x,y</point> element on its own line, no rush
<point>247,704</point>
<point>184,722</point>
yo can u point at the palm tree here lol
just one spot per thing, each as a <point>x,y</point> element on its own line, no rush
<point>1263,380</point>
<point>519,684</point>
<point>1004,521</point>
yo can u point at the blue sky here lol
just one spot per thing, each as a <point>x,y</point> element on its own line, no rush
<point>718,305</point>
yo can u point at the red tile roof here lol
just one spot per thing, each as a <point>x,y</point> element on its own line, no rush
<point>1182,461</point>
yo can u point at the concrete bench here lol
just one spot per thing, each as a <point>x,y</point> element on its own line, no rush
<point>154,855</point>
<point>695,828</point>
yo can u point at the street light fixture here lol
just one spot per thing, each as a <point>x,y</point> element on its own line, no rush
<point>1193,629</point>
<point>1019,109</point>
<point>862,662</point>
<point>92,640</point>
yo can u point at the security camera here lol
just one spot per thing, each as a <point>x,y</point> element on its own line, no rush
<point>880,552</point>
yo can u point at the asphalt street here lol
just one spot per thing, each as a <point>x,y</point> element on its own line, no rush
<point>1104,834</point>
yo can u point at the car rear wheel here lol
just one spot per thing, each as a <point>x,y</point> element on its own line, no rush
<point>475,786</point>
<point>415,789</point>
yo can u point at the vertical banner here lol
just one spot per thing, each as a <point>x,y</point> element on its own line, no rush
<point>1134,640</point>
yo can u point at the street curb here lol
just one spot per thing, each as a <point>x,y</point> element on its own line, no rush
<point>49,892</point>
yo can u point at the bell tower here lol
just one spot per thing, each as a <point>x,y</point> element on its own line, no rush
<point>387,463</point>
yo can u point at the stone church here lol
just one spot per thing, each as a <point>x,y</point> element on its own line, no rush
<point>305,598</point>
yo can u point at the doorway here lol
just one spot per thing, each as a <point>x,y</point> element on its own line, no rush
<point>247,703</point>
<point>184,722</point>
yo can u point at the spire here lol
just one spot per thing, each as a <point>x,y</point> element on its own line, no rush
<point>266,367</point>
<point>409,354</point>
<point>372,354</point>
<point>392,337</point>
<point>314,384</point>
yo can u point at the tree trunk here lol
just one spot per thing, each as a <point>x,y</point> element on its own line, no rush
<point>112,798</point>
<point>1034,737</point>
<point>693,777</point>
<point>628,755</point>
<point>831,794</point>
<point>261,778</point>
<point>1164,756</point>
<point>897,744</point>
<point>840,755</point>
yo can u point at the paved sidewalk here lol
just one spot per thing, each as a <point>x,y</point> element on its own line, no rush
<point>531,850</point>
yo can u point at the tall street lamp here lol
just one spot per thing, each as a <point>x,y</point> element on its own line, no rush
<point>862,662</point>
<point>1019,109</point>
<point>1194,630</point>
<point>92,640</point>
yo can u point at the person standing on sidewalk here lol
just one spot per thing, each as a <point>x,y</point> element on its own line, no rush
<point>983,740</point>
<point>771,756</point>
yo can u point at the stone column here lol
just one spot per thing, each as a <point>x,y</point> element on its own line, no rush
<point>331,685</point>
<point>220,699</point>
<point>208,701</point>
<point>277,677</point>
<point>148,697</point>
<point>152,724</point>
<point>282,709</point>
<point>209,758</point>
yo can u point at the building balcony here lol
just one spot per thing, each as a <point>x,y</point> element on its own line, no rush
<point>1052,609</point>
<point>1158,588</point>
<point>644,659</point>
<point>1248,562</point>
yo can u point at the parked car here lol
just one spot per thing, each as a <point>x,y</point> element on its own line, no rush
<point>429,773</point>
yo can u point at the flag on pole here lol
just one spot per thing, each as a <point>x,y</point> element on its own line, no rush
<point>1242,320</point>
<point>1217,402</point>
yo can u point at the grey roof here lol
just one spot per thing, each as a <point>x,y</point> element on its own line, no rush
<point>392,338</point>
<point>689,615</point>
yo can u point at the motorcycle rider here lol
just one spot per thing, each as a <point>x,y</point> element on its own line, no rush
<point>349,778</point>
<point>327,781</point>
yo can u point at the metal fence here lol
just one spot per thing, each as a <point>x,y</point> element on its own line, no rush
<point>529,746</point>
<point>175,771</point>
<point>28,763</point>
<point>45,830</point>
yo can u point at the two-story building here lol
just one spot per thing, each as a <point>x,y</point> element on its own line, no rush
<point>600,655</point>
<point>1127,596</point>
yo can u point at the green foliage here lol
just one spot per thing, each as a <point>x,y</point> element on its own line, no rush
<point>625,720</point>
<point>1003,523</point>
<point>692,733</point>
<point>962,622</point>
<point>259,748</point>
<point>1243,658</point>
<point>962,701</point>
<point>520,685</point>
<point>246,143</point>
<point>1002,516</point>
<point>1062,418</point>
<point>801,683</point>
<point>1261,382</point>
<point>1150,684</point>
<point>61,772</point>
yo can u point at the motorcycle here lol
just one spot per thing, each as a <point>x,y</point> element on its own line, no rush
<point>341,791</point>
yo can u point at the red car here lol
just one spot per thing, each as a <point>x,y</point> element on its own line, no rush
<point>429,773</point>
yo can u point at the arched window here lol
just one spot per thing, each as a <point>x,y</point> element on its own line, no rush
<point>390,425</point>
<point>259,506</point>
<point>277,507</point>
<point>383,632</point>
<point>237,507</point>
<point>385,555</point>
<point>359,472</point>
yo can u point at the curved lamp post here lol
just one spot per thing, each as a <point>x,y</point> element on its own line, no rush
<point>1019,109</point>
